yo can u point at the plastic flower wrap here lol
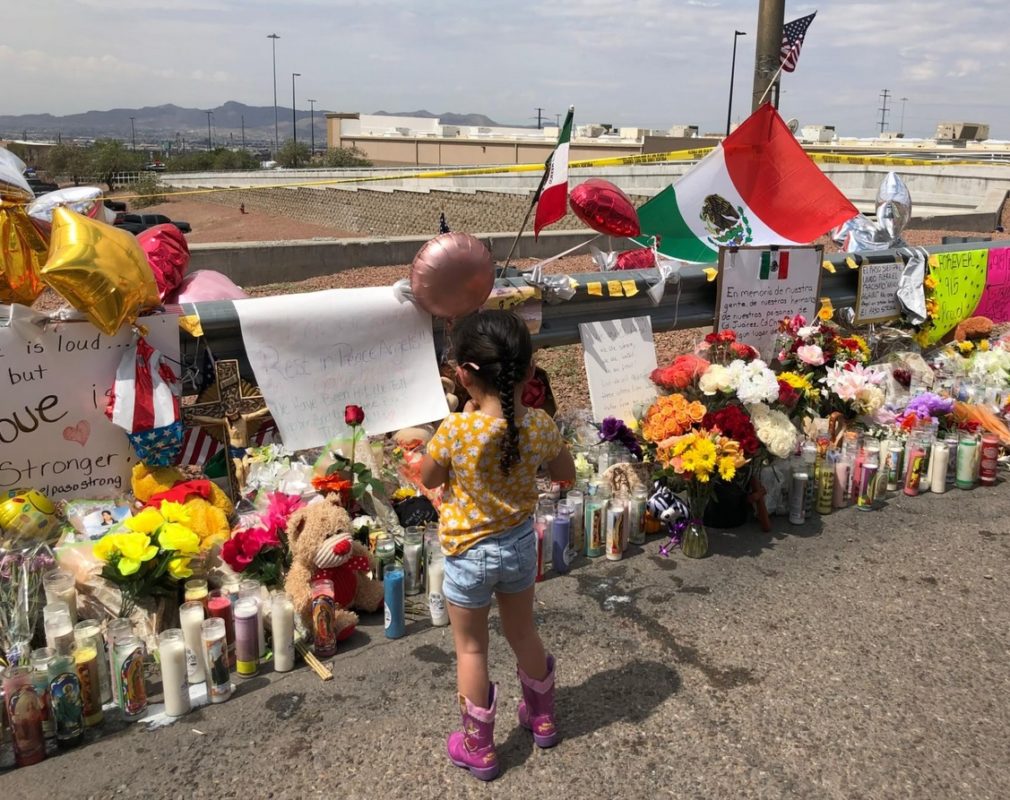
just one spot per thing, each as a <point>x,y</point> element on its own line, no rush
<point>21,597</point>
<point>149,553</point>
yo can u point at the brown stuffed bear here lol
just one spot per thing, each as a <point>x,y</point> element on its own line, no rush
<point>319,537</point>
<point>973,329</point>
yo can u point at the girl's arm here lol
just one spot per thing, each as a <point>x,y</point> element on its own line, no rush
<point>434,474</point>
<point>562,467</point>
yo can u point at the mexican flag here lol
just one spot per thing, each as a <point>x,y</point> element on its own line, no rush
<point>552,195</point>
<point>757,188</point>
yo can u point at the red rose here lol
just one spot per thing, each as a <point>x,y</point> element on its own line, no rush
<point>534,393</point>
<point>711,338</point>
<point>354,415</point>
<point>234,555</point>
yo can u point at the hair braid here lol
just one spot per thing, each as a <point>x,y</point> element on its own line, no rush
<point>506,385</point>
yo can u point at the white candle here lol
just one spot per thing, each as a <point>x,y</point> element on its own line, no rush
<point>60,586</point>
<point>282,621</point>
<point>938,467</point>
<point>436,600</point>
<point>175,685</point>
<point>191,618</point>
<point>59,632</point>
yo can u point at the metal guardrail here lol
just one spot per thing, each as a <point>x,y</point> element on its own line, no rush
<point>689,304</point>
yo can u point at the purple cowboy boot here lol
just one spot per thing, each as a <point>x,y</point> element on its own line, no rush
<point>473,747</point>
<point>536,709</point>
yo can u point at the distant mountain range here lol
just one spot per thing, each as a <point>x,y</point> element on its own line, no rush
<point>161,125</point>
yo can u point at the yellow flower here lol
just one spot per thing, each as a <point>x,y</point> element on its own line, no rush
<point>174,512</point>
<point>965,347</point>
<point>861,343</point>
<point>403,493</point>
<point>983,345</point>
<point>174,536</point>
<point>929,282</point>
<point>727,468</point>
<point>932,307</point>
<point>796,381</point>
<point>147,521</point>
<point>827,311</point>
<point>135,548</point>
<point>633,424</point>
<point>179,569</point>
<point>106,547</point>
<point>705,454</point>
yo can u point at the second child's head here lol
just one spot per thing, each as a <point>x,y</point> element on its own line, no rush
<point>494,351</point>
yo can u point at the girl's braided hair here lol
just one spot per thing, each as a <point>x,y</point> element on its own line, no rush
<point>496,348</point>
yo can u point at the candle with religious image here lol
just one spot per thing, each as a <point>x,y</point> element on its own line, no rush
<point>191,616</point>
<point>65,696</point>
<point>324,634</point>
<point>215,656</point>
<point>113,630</point>
<point>615,530</point>
<point>24,715</point>
<point>130,676</point>
<point>86,662</point>
<point>219,606</point>
<point>42,657</point>
<point>88,633</point>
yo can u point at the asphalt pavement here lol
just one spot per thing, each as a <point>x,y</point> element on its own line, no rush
<point>862,655</point>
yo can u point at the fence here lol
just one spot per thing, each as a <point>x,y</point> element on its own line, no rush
<point>688,304</point>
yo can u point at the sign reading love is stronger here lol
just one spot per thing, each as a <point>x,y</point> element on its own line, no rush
<point>54,435</point>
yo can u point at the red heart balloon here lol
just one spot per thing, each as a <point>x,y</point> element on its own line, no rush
<point>604,208</point>
<point>168,254</point>
<point>452,275</point>
<point>642,258</point>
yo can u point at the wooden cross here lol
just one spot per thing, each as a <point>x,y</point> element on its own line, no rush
<point>233,410</point>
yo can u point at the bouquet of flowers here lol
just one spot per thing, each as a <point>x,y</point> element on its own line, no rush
<point>810,350</point>
<point>260,550</point>
<point>613,429</point>
<point>853,390</point>
<point>682,374</point>
<point>21,569</point>
<point>149,553</point>
<point>722,347</point>
<point>743,381</point>
<point>797,395</point>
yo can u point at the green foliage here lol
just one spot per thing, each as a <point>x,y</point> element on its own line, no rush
<point>217,160</point>
<point>293,154</point>
<point>343,157</point>
<point>109,156</point>
<point>68,161</point>
<point>150,189</point>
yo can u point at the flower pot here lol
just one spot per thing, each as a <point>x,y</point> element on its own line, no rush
<point>728,507</point>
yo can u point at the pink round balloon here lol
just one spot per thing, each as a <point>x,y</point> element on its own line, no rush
<point>168,254</point>
<point>205,284</point>
<point>452,275</point>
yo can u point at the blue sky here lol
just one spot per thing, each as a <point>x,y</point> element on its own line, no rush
<point>628,62</point>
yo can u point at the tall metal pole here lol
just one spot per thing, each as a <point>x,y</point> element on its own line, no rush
<point>210,139</point>
<point>277,137</point>
<point>312,129</point>
<point>133,134</point>
<point>243,131</point>
<point>294,120</point>
<point>902,128</point>
<point>732,75</point>
<point>767,46</point>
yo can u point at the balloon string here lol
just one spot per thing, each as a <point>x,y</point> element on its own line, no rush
<point>567,252</point>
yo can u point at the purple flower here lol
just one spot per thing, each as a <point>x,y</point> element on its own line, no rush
<point>611,429</point>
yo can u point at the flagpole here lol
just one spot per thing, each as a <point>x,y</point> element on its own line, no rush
<point>526,219</point>
<point>771,83</point>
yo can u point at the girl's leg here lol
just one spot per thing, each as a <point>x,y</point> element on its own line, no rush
<point>520,630</point>
<point>469,630</point>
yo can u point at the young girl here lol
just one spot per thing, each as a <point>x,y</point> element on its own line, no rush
<point>488,457</point>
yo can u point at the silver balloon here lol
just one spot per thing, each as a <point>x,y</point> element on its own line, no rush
<point>86,200</point>
<point>894,210</point>
<point>13,185</point>
<point>554,289</point>
<point>911,294</point>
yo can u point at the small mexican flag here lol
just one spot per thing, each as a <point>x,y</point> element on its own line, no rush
<point>757,188</point>
<point>552,195</point>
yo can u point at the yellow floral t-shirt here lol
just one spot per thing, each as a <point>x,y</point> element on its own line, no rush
<point>481,500</point>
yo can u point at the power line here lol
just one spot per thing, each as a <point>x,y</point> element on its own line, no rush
<point>884,96</point>
<point>540,117</point>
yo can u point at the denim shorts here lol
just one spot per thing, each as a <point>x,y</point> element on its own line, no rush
<point>506,562</point>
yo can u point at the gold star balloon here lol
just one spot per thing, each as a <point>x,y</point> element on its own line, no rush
<point>22,253</point>
<point>100,270</point>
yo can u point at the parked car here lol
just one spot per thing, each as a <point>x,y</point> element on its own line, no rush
<point>116,205</point>
<point>155,166</point>
<point>40,186</point>
<point>135,223</point>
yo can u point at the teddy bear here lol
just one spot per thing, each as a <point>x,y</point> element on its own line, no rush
<point>973,329</point>
<point>206,504</point>
<point>321,543</point>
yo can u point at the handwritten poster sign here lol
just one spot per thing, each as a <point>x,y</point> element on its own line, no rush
<point>995,302</point>
<point>54,435</point>
<point>960,280</point>
<point>314,354</point>
<point>620,355</point>
<point>877,298</point>
<point>759,286</point>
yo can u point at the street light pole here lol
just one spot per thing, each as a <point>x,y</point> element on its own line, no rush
<point>312,129</point>
<point>902,128</point>
<point>768,47</point>
<point>243,132</point>
<point>210,139</point>
<point>273,46</point>
<point>294,120</point>
<point>133,134</point>
<point>732,76</point>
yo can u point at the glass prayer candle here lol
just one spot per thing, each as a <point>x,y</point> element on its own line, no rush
<point>636,516</point>
<point>247,648</point>
<point>561,538</point>
<point>219,606</point>
<point>282,622</point>
<point>129,674</point>
<point>65,696</point>
<point>24,714</point>
<point>615,528</point>
<point>41,659</point>
<point>174,672</point>
<point>596,521</point>
<point>60,586</point>
<point>385,554</point>
<point>215,655</point>
<point>939,461</point>
<point>191,616</point>
<point>436,600</point>
<point>88,633</point>
<point>575,498</point>
<point>59,628</point>
<point>113,630</point>
<point>394,613</point>
<point>413,545</point>
<point>989,461</point>
<point>965,474</point>
<point>196,590</point>
<point>86,661</point>
<point>324,634</point>
<point>253,589</point>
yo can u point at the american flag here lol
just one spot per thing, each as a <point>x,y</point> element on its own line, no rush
<point>792,41</point>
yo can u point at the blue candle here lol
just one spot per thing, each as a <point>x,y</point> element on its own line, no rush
<point>392,582</point>
<point>561,529</point>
